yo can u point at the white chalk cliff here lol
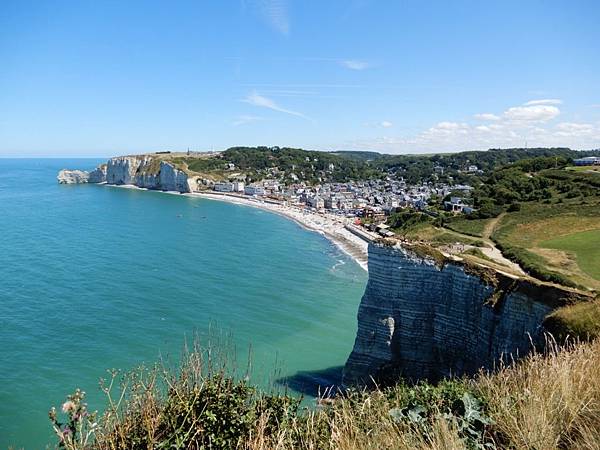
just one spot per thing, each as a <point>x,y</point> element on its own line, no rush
<point>66,176</point>
<point>425,318</point>
<point>143,171</point>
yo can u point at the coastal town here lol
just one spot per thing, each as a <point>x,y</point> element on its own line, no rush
<point>367,202</point>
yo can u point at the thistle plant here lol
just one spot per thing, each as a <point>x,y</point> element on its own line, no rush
<point>80,426</point>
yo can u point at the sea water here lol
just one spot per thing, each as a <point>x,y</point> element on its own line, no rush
<point>97,277</point>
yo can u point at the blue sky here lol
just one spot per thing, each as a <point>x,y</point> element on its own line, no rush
<point>98,78</point>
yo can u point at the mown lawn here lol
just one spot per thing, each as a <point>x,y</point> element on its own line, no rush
<point>586,247</point>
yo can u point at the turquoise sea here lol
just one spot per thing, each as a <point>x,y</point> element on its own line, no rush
<point>94,277</point>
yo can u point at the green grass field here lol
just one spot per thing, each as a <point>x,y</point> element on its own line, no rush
<point>585,246</point>
<point>472,227</point>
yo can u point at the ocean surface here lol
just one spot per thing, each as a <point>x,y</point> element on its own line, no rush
<point>95,277</point>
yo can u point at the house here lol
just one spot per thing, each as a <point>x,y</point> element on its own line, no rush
<point>455,204</point>
<point>223,187</point>
<point>331,203</point>
<point>254,190</point>
<point>384,230</point>
<point>589,161</point>
<point>238,186</point>
<point>316,202</point>
<point>374,214</point>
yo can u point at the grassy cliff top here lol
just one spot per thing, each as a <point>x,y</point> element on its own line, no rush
<point>576,311</point>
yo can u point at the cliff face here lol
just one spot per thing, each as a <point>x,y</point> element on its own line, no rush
<point>422,318</point>
<point>143,171</point>
<point>98,175</point>
<point>146,172</point>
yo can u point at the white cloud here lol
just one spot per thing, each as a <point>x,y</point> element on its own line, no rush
<point>570,129</point>
<point>254,98</point>
<point>243,120</point>
<point>529,124</point>
<point>386,124</point>
<point>448,127</point>
<point>545,101</point>
<point>533,113</point>
<point>354,64</point>
<point>487,116</point>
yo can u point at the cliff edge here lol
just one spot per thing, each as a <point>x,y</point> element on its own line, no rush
<point>426,316</point>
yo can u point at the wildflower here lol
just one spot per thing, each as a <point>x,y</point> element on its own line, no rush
<point>69,406</point>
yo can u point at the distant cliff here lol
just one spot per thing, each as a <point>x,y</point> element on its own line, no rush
<point>143,171</point>
<point>424,316</point>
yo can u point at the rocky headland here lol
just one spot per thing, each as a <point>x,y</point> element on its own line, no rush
<point>143,171</point>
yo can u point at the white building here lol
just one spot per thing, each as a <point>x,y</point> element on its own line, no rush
<point>254,190</point>
<point>223,187</point>
<point>238,186</point>
<point>316,202</point>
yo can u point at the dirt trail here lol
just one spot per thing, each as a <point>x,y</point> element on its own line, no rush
<point>491,251</point>
<point>491,226</point>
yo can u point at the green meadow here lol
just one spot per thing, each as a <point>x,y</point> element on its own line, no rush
<point>586,247</point>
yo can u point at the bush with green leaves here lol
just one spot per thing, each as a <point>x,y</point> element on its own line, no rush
<point>451,400</point>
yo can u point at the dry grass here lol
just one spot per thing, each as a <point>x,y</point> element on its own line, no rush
<point>580,320</point>
<point>547,401</point>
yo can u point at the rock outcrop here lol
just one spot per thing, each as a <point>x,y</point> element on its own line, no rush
<point>423,316</point>
<point>98,175</point>
<point>145,171</point>
<point>66,176</point>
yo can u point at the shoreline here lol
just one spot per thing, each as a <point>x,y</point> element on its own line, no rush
<point>329,226</point>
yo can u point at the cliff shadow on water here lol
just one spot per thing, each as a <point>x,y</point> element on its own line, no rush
<point>424,316</point>
<point>314,383</point>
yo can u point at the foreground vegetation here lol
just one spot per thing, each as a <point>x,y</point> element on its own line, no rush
<point>546,401</point>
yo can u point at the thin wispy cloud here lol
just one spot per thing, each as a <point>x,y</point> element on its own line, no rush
<point>386,124</point>
<point>273,12</point>
<point>306,86</point>
<point>255,99</point>
<point>290,93</point>
<point>544,101</point>
<point>243,120</point>
<point>354,64</point>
